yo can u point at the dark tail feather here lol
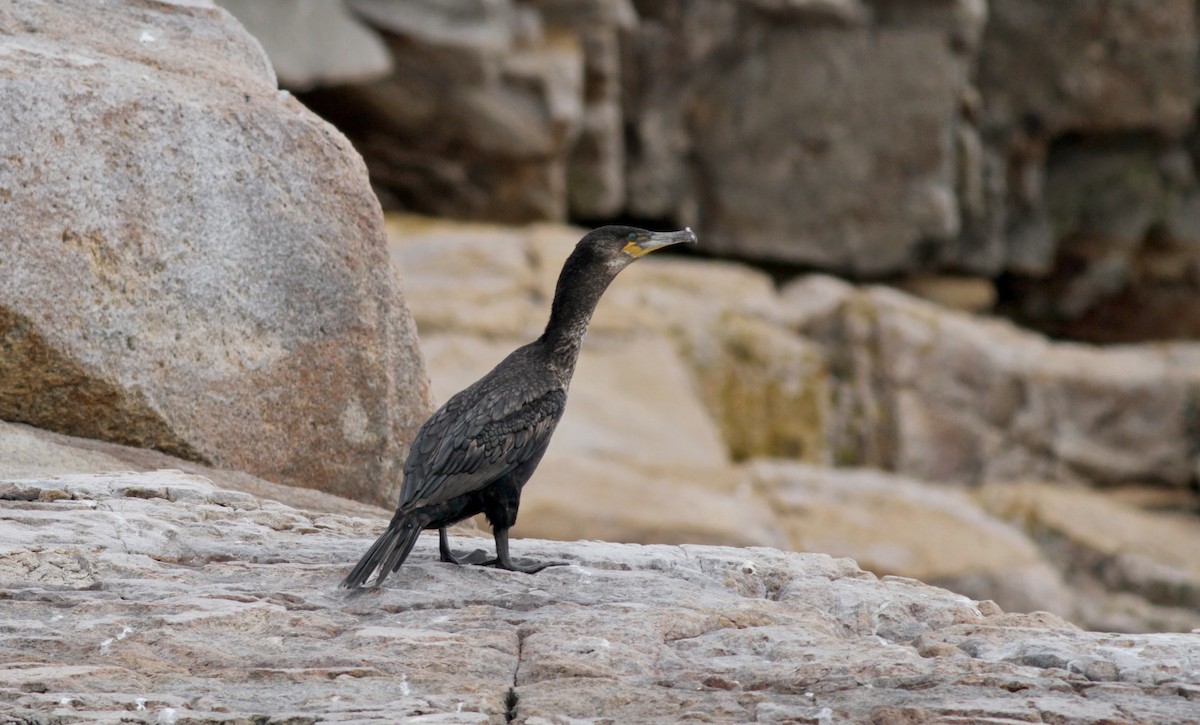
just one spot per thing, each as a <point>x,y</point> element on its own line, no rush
<point>387,553</point>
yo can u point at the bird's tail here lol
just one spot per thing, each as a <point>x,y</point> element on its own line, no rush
<point>387,553</point>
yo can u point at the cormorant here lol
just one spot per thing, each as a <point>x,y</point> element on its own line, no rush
<point>476,452</point>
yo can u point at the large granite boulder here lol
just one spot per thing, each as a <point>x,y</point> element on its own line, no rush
<point>159,598</point>
<point>192,261</point>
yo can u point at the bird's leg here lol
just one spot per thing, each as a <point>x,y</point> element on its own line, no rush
<point>479,556</point>
<point>444,548</point>
<point>504,561</point>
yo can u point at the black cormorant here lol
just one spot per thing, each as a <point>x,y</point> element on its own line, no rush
<point>476,452</point>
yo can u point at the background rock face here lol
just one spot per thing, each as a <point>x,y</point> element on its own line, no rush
<point>478,115</point>
<point>155,597</point>
<point>787,148</point>
<point>1044,147</point>
<point>191,260</point>
<point>342,50</point>
<point>1004,403</point>
<point>897,526</point>
<point>1100,544</point>
<point>1112,66</point>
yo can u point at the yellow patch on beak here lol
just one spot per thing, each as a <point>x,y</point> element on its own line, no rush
<point>648,242</point>
<point>634,249</point>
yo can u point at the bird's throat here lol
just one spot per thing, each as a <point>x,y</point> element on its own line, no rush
<point>575,298</point>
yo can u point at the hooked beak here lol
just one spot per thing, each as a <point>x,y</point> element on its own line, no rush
<point>658,240</point>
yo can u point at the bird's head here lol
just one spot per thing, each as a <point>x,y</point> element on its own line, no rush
<point>595,262</point>
<point>618,246</point>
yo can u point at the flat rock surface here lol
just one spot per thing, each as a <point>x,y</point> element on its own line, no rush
<point>157,597</point>
<point>28,452</point>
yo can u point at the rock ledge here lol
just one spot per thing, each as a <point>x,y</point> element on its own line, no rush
<point>156,597</point>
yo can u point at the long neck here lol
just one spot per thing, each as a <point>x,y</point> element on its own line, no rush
<point>580,286</point>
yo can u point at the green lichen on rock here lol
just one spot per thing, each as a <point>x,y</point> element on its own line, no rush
<point>769,391</point>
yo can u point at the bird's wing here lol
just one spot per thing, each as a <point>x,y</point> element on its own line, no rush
<point>472,441</point>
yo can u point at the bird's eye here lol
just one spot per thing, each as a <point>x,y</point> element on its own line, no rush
<point>633,236</point>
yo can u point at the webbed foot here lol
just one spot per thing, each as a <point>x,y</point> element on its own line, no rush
<point>477,557</point>
<point>527,566</point>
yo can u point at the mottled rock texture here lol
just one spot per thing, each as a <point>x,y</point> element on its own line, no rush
<point>192,261</point>
<point>157,597</point>
<point>517,110</point>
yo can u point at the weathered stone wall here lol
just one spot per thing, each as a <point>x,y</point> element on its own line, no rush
<point>1093,106</point>
<point>1049,145</point>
